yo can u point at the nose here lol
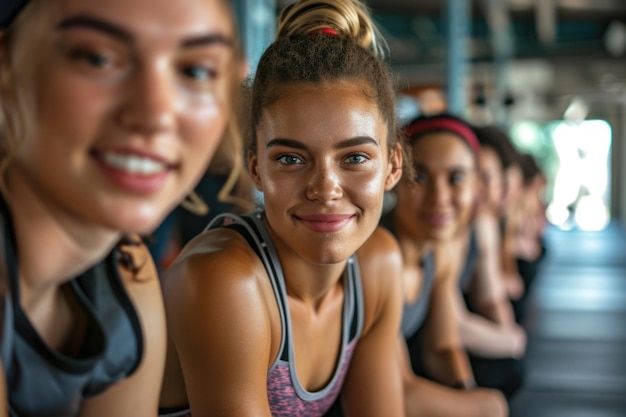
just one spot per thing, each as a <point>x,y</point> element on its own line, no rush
<point>324,183</point>
<point>149,105</point>
<point>439,193</point>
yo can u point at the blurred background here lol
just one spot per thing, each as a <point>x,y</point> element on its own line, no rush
<point>542,69</point>
<point>552,73</point>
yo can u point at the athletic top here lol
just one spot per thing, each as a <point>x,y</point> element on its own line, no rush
<point>287,397</point>
<point>471,258</point>
<point>414,314</point>
<point>44,382</point>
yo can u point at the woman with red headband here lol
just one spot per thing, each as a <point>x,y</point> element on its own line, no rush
<point>432,220</point>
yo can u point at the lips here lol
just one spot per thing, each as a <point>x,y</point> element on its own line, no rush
<point>133,171</point>
<point>437,220</point>
<point>325,223</point>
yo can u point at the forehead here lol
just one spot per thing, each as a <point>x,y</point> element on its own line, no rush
<point>442,148</point>
<point>159,19</point>
<point>312,112</point>
<point>488,156</point>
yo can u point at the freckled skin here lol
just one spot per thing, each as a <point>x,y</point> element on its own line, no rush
<point>325,180</point>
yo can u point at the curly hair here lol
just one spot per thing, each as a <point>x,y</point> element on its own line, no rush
<point>304,53</point>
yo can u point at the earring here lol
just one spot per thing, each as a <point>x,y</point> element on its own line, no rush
<point>195,204</point>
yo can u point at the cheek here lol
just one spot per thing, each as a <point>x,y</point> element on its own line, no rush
<point>69,106</point>
<point>467,198</point>
<point>369,186</point>
<point>202,129</point>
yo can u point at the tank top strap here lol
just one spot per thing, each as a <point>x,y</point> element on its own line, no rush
<point>252,228</point>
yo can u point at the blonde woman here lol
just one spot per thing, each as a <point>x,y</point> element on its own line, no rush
<point>112,111</point>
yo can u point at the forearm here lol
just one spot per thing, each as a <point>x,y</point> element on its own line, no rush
<point>427,398</point>
<point>500,312</point>
<point>485,338</point>
<point>451,367</point>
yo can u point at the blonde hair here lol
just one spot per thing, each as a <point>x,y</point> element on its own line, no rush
<point>17,68</point>
<point>349,18</point>
<point>17,104</point>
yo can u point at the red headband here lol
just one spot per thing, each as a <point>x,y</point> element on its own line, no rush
<point>445,124</point>
<point>325,31</point>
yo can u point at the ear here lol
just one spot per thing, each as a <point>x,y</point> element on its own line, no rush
<point>253,168</point>
<point>395,167</point>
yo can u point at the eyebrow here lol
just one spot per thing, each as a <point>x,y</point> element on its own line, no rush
<point>348,143</point>
<point>111,29</point>
<point>423,167</point>
<point>96,24</point>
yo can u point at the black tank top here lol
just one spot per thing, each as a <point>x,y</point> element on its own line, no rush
<point>42,381</point>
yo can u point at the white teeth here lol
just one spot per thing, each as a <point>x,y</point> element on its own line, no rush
<point>133,164</point>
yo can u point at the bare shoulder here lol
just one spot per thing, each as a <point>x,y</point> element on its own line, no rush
<point>216,270</point>
<point>210,257</point>
<point>379,251</point>
<point>380,265</point>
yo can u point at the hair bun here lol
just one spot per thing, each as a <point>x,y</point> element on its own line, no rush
<point>347,18</point>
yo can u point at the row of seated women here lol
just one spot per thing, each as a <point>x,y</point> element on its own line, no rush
<point>325,300</point>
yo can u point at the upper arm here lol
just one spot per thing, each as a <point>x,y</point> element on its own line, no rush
<point>219,323</point>
<point>373,386</point>
<point>138,394</point>
<point>488,285</point>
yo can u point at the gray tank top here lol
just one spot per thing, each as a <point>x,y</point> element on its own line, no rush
<point>286,396</point>
<point>44,382</point>
<point>471,258</point>
<point>413,315</point>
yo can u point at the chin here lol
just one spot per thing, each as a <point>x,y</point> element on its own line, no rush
<point>138,224</point>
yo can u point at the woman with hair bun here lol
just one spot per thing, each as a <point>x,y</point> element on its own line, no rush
<point>111,112</point>
<point>274,313</point>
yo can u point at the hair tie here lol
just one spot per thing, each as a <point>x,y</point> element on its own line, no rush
<point>447,125</point>
<point>8,11</point>
<point>325,31</point>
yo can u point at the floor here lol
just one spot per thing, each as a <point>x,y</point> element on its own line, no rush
<point>576,326</point>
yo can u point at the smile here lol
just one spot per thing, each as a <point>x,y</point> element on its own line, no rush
<point>133,164</point>
<point>133,172</point>
<point>325,223</point>
<point>437,220</point>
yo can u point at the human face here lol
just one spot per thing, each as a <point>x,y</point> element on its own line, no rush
<point>132,98</point>
<point>441,201</point>
<point>491,174</point>
<point>513,185</point>
<point>323,165</point>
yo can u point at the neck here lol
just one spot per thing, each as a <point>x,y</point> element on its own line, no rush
<point>413,249</point>
<point>306,281</point>
<point>53,245</point>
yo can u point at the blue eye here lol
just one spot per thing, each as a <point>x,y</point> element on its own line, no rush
<point>289,160</point>
<point>356,159</point>
<point>198,73</point>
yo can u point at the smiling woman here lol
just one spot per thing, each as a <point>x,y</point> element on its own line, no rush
<point>276,312</point>
<point>111,113</point>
